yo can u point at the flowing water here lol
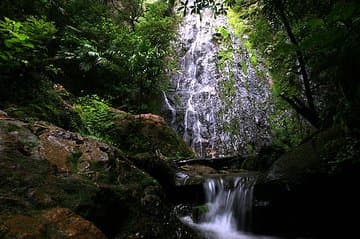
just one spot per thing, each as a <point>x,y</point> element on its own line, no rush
<point>229,204</point>
<point>218,101</point>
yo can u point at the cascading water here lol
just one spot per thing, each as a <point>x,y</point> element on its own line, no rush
<point>219,108</point>
<point>229,203</point>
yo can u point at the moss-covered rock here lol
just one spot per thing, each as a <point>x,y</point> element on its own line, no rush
<point>92,116</point>
<point>51,104</point>
<point>316,156</point>
<point>56,223</point>
<point>44,167</point>
<point>131,133</point>
<point>312,189</point>
<point>147,133</point>
<point>263,160</point>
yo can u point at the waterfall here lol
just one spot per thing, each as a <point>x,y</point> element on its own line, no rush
<point>229,205</point>
<point>220,108</point>
<point>229,202</point>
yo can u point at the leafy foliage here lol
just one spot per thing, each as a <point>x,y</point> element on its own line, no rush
<point>91,47</point>
<point>197,7</point>
<point>342,155</point>
<point>22,40</point>
<point>48,105</point>
<point>313,39</point>
<point>95,115</point>
<point>326,33</point>
<point>24,54</point>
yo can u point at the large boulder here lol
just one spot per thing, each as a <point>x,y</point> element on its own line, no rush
<point>55,223</point>
<point>147,133</point>
<point>304,160</point>
<point>70,151</point>
<point>43,167</point>
<point>310,191</point>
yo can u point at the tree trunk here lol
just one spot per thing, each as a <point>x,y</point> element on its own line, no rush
<point>309,111</point>
<point>304,111</point>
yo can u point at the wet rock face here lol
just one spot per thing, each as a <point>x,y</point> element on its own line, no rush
<point>220,106</point>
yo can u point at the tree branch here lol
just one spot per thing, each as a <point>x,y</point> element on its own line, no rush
<point>303,110</point>
<point>299,55</point>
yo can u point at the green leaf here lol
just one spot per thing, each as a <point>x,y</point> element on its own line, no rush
<point>316,23</point>
<point>343,11</point>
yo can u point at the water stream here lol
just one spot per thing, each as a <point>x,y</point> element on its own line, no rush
<point>218,101</point>
<point>229,204</point>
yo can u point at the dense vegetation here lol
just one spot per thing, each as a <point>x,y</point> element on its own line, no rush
<point>116,49</point>
<point>313,54</point>
<point>121,52</point>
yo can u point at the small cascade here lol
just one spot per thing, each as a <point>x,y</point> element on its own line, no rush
<point>220,109</point>
<point>172,109</point>
<point>229,204</point>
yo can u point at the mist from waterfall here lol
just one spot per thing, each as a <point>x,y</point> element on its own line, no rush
<point>212,121</point>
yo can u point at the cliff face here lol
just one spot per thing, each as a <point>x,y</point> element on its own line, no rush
<point>60,184</point>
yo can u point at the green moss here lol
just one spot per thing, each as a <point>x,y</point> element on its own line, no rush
<point>224,56</point>
<point>12,127</point>
<point>47,106</point>
<point>202,208</point>
<point>249,149</point>
<point>232,127</point>
<point>244,68</point>
<point>223,32</point>
<point>74,160</point>
<point>72,192</point>
<point>253,59</point>
<point>242,29</point>
<point>260,74</point>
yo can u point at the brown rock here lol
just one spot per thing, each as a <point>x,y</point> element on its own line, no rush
<point>62,223</point>
<point>56,150</point>
<point>59,147</point>
<point>147,133</point>
<point>151,119</point>
<point>23,227</point>
<point>198,169</point>
<point>33,157</point>
<point>94,150</point>
<point>56,223</point>
<point>3,114</point>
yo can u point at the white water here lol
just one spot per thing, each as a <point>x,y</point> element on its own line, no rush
<point>211,120</point>
<point>229,205</point>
